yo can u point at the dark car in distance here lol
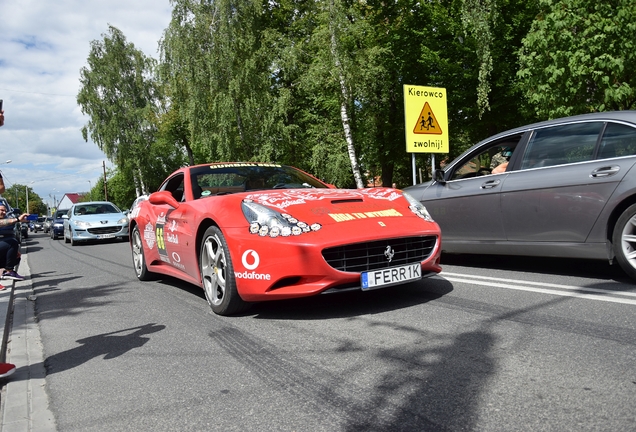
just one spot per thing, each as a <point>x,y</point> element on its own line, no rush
<point>57,225</point>
<point>559,188</point>
<point>48,221</point>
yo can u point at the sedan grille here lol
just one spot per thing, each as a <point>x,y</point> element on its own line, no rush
<point>104,230</point>
<point>368,256</point>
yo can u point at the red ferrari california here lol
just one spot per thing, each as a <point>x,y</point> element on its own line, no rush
<point>249,232</point>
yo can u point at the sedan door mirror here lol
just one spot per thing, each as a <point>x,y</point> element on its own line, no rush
<point>439,176</point>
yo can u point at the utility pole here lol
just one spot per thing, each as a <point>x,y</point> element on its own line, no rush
<point>105,189</point>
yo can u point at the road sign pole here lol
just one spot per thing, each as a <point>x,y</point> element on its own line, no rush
<point>414,173</point>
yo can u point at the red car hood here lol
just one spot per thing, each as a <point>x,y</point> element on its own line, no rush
<point>327,206</point>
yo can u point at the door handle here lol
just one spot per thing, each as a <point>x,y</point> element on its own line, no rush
<point>605,171</point>
<point>490,184</point>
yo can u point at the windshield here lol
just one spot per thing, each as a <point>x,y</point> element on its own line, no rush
<point>240,177</point>
<point>93,209</point>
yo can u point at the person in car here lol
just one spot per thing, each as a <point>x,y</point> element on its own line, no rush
<point>499,161</point>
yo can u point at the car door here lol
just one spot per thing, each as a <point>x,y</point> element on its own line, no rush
<point>561,186</point>
<point>174,228</point>
<point>467,204</point>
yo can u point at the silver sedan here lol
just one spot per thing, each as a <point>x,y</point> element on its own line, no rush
<point>95,220</point>
<point>560,188</point>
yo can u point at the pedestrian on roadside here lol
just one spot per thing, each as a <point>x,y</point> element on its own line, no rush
<point>9,246</point>
<point>7,369</point>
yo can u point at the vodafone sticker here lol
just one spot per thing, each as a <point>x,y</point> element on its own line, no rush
<point>250,259</point>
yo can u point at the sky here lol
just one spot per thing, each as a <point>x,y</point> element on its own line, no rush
<point>43,46</point>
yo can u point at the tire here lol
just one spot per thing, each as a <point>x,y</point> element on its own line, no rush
<point>139,259</point>
<point>624,241</point>
<point>73,242</point>
<point>66,240</point>
<point>217,274</point>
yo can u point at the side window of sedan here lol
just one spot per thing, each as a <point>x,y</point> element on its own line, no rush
<point>492,159</point>
<point>561,145</point>
<point>618,140</point>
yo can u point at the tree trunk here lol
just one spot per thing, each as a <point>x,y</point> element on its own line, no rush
<point>344,114</point>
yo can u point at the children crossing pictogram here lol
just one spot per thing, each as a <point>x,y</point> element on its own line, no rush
<point>427,123</point>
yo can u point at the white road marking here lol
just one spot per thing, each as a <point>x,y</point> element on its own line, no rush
<point>567,290</point>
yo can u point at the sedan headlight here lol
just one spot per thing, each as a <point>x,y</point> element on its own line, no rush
<point>123,220</point>
<point>265,221</point>
<point>81,224</point>
<point>417,207</point>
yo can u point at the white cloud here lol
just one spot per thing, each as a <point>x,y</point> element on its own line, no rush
<point>43,46</point>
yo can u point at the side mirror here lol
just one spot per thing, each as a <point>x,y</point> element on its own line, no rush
<point>64,216</point>
<point>163,198</point>
<point>439,176</point>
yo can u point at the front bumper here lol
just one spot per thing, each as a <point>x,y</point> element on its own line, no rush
<point>101,233</point>
<point>266,269</point>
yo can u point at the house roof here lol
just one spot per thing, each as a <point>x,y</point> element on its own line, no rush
<point>73,197</point>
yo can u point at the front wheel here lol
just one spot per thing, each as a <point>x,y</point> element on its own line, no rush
<point>217,274</point>
<point>66,240</point>
<point>139,259</point>
<point>624,241</point>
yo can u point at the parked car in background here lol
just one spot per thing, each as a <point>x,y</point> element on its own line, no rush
<point>134,208</point>
<point>47,224</point>
<point>567,189</point>
<point>38,225</point>
<point>14,230</point>
<point>94,220</point>
<point>57,226</point>
<point>248,232</point>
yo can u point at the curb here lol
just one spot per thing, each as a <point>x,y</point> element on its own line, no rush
<point>25,402</point>
<point>7,321</point>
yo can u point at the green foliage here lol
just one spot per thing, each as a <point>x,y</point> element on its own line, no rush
<point>579,57</point>
<point>220,73</point>
<point>318,85</point>
<point>123,101</point>
<point>121,192</point>
<point>17,194</point>
<point>477,16</point>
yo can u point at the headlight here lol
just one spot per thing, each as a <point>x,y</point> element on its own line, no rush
<point>267,222</point>
<point>417,207</point>
<point>123,220</point>
<point>82,224</point>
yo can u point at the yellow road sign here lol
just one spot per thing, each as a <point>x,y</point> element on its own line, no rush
<point>426,119</point>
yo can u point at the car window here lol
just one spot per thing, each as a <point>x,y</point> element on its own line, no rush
<point>562,144</point>
<point>175,186</point>
<point>618,140</point>
<point>494,156</point>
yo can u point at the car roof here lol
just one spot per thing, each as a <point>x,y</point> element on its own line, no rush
<point>628,116</point>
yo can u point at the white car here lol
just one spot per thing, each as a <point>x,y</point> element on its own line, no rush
<point>94,220</point>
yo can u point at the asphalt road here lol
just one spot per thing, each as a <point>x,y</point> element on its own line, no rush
<point>492,344</point>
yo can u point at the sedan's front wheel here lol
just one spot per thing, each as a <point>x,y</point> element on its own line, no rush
<point>217,274</point>
<point>624,241</point>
